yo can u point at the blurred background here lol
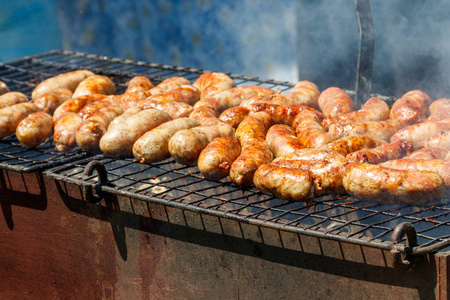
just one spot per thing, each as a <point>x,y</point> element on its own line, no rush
<point>285,40</point>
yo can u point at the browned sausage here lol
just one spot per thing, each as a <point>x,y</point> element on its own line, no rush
<point>251,134</point>
<point>214,162</point>
<point>93,128</point>
<point>313,155</point>
<point>169,84</point>
<point>11,116</point>
<point>96,84</point>
<point>374,183</point>
<point>68,81</point>
<point>439,110</point>
<point>185,93</point>
<point>211,82</point>
<point>382,153</point>
<point>35,129</point>
<point>439,166</point>
<point>352,143</point>
<point>3,88</point>
<point>153,146</point>
<point>234,116</point>
<point>65,129</point>
<point>411,108</point>
<point>284,183</point>
<point>174,109</point>
<point>374,109</point>
<point>429,153</point>
<point>282,114</point>
<point>335,102</point>
<point>327,175</point>
<point>185,146</point>
<point>75,105</point>
<point>50,101</point>
<point>119,139</point>
<point>282,140</point>
<point>378,129</point>
<point>209,108</point>
<point>12,98</point>
<point>304,93</point>
<point>140,85</point>
<point>309,130</point>
<point>419,133</point>
<point>441,139</point>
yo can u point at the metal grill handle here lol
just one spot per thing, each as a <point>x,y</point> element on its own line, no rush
<point>366,46</point>
<point>102,178</point>
<point>403,262</point>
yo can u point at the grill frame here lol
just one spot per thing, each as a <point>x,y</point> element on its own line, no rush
<point>41,66</point>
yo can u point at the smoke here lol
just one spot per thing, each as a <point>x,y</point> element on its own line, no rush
<point>412,47</point>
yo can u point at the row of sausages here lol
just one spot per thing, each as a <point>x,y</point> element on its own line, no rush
<point>296,145</point>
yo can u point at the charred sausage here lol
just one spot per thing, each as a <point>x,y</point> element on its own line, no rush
<point>411,108</point>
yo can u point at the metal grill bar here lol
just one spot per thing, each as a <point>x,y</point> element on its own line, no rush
<point>339,218</point>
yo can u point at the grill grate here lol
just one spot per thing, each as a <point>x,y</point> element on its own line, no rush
<point>24,74</point>
<point>340,218</point>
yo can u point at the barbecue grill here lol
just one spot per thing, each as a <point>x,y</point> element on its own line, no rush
<point>332,231</point>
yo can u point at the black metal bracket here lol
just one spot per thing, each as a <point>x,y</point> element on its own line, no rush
<point>364,66</point>
<point>102,178</point>
<point>403,260</point>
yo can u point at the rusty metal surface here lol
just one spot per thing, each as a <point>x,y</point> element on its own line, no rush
<point>55,244</point>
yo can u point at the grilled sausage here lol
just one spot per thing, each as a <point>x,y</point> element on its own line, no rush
<point>378,129</point>
<point>123,117</point>
<point>419,133</point>
<point>411,108</point>
<point>282,140</point>
<point>309,130</point>
<point>382,153</point>
<point>282,114</point>
<point>3,88</point>
<point>327,175</point>
<point>75,105</point>
<point>35,129</point>
<point>169,84</point>
<point>304,93</point>
<point>284,183</point>
<point>153,146</point>
<point>68,81</point>
<point>185,93</point>
<point>214,162</point>
<point>12,98</point>
<point>185,145</point>
<point>234,116</point>
<point>208,109</point>
<point>374,109</point>
<point>93,128</point>
<point>439,166</point>
<point>251,134</point>
<point>439,110</point>
<point>211,82</point>
<point>429,153</point>
<point>11,116</point>
<point>119,139</point>
<point>50,101</point>
<point>92,108</point>
<point>313,155</point>
<point>96,84</point>
<point>334,102</point>
<point>441,139</point>
<point>374,183</point>
<point>352,143</point>
<point>139,85</point>
<point>174,109</point>
<point>65,129</point>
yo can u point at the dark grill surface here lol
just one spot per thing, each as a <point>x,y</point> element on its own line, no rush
<point>340,218</point>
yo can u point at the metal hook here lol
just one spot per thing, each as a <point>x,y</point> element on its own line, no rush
<point>400,261</point>
<point>102,178</point>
